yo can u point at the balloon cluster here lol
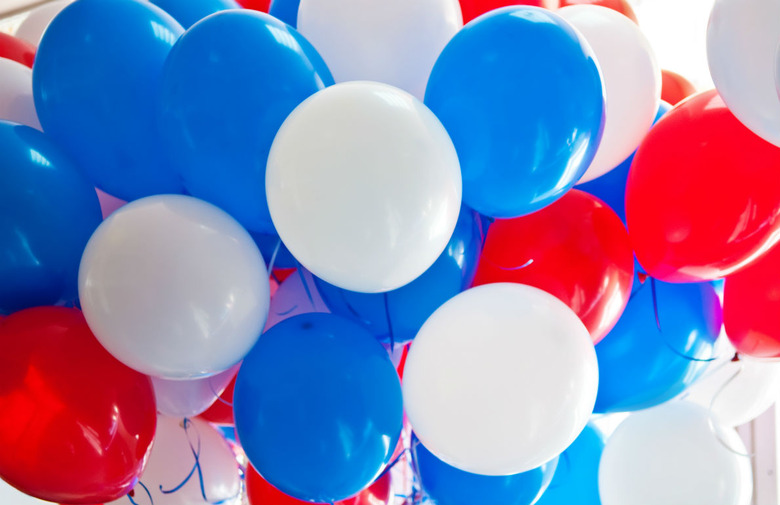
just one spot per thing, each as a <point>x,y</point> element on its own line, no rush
<point>244,255</point>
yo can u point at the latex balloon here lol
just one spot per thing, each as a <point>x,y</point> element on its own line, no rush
<point>296,410</point>
<point>750,299</point>
<point>690,183</point>
<point>675,88</point>
<point>189,398</point>
<point>47,214</point>
<point>174,287</point>
<point>576,478</point>
<point>526,385</point>
<point>95,83</point>
<point>227,87</point>
<point>396,316</point>
<point>517,156</point>
<point>646,361</point>
<point>395,42</point>
<point>16,95</point>
<point>189,12</point>
<point>741,47</point>
<point>672,454</point>
<point>77,425</point>
<point>580,253</point>
<point>632,81</point>
<point>108,203</point>
<point>260,492</point>
<point>11,495</point>
<point>446,485</point>
<point>17,50</point>
<point>350,180</point>
<point>258,5</point>
<point>474,8</point>
<point>285,10</point>
<point>221,412</point>
<point>35,22</point>
<point>298,294</point>
<point>621,6</point>
<point>190,464</point>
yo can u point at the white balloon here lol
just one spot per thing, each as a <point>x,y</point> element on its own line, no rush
<point>174,287</point>
<point>293,298</point>
<point>9,495</point>
<point>178,445</point>
<point>509,363</point>
<point>364,186</point>
<point>16,95</point>
<point>674,454</point>
<point>392,42</point>
<point>36,22</point>
<point>741,44</point>
<point>189,398</point>
<point>632,81</point>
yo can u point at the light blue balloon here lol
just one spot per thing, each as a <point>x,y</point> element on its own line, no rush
<point>228,85</point>
<point>576,480</point>
<point>189,12</point>
<point>95,83</point>
<point>285,10</point>
<point>521,96</point>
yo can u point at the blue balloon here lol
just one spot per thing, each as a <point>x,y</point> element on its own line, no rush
<point>270,245</point>
<point>396,316</point>
<point>189,12</point>
<point>228,85</point>
<point>447,485</point>
<point>611,187</point>
<point>576,479</point>
<point>318,407</point>
<point>48,211</point>
<point>285,10</point>
<point>95,83</point>
<point>640,365</point>
<point>521,96</point>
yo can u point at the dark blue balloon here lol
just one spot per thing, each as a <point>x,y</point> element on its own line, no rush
<point>318,407</point>
<point>520,94</point>
<point>576,480</point>
<point>640,365</point>
<point>396,316</point>
<point>228,85</point>
<point>447,485</point>
<point>189,12</point>
<point>95,83</point>
<point>286,10</point>
<point>48,211</point>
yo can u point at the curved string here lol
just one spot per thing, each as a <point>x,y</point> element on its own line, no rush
<point>218,395</point>
<point>305,284</point>
<point>389,322</point>
<point>273,259</point>
<point>131,494</point>
<point>711,417</point>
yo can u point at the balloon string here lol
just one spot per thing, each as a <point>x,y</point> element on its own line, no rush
<point>273,259</point>
<point>389,322</point>
<point>392,464</point>
<point>655,304</point>
<point>219,396</point>
<point>507,269</point>
<point>131,494</point>
<point>351,309</point>
<point>711,417</point>
<point>305,284</point>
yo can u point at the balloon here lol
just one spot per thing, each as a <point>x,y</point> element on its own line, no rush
<point>318,407</point>
<point>221,412</point>
<point>260,492</point>
<point>509,362</point>
<point>227,87</point>
<point>673,455</point>
<point>632,81</point>
<point>47,213</point>
<point>258,5</point>
<point>108,203</point>
<point>621,6</point>
<point>77,424</point>
<point>174,287</point>
<point>95,83</point>
<point>675,87</point>
<point>293,298</point>
<point>16,97</point>
<point>13,496</point>
<point>189,12</point>
<point>395,42</point>
<point>690,183</point>
<point>446,485</point>
<point>518,155</point>
<point>750,304</point>
<point>641,365</point>
<point>576,478</point>
<point>396,316</point>
<point>611,187</point>
<point>741,47</point>
<point>285,10</point>
<point>739,391</point>
<point>188,398</point>
<point>580,252</point>
<point>35,22</point>
<point>190,463</point>
<point>475,8</point>
<point>351,180</point>
<point>17,50</point>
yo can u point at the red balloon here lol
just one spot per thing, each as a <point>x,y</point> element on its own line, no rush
<point>76,424</point>
<point>257,5</point>
<point>17,50</point>
<point>260,492</point>
<point>622,6</point>
<point>576,249</point>
<point>702,198</point>
<point>221,411</point>
<point>474,8</point>
<point>751,304</point>
<point>675,88</point>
